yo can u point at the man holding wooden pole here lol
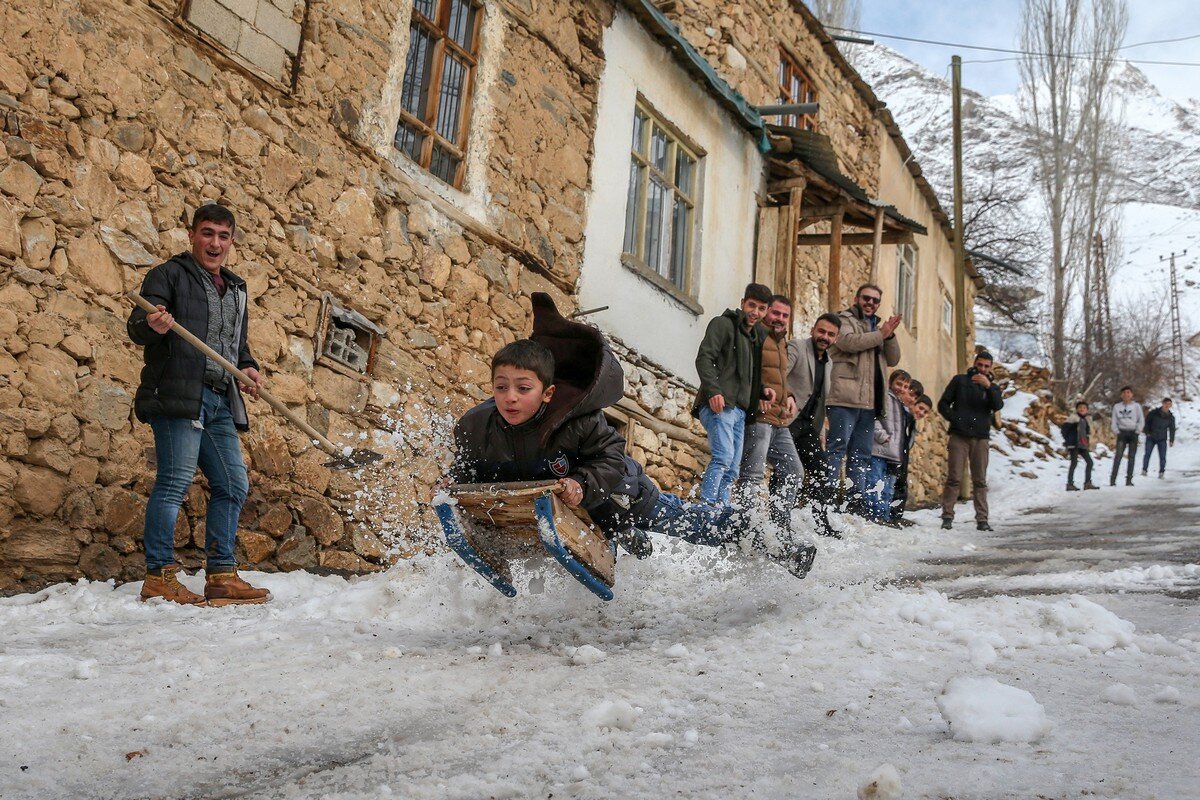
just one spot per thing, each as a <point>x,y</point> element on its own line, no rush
<point>194,408</point>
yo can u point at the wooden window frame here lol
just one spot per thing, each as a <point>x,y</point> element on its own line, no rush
<point>685,291</point>
<point>438,30</point>
<point>789,67</point>
<point>947,313</point>
<point>908,310</point>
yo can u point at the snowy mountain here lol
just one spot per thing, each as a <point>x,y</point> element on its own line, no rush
<point>1160,164</point>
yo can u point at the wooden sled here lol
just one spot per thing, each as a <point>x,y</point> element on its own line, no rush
<point>490,524</point>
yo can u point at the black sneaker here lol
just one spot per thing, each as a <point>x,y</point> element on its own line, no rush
<point>801,561</point>
<point>636,542</point>
<point>983,526</point>
<point>1112,482</point>
<point>905,522</point>
<point>1161,475</point>
<point>1143,473</point>
<point>947,524</point>
<point>1129,481</point>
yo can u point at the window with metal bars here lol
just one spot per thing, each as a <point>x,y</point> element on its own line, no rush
<point>906,283</point>
<point>795,87</point>
<point>439,77</point>
<point>660,215</point>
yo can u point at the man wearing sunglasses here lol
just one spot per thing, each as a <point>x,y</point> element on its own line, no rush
<point>862,355</point>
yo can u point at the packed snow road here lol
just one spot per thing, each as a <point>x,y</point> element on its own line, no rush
<point>1021,672</point>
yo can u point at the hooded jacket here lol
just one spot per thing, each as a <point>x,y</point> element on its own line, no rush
<point>861,357</point>
<point>968,406</point>
<point>729,362</point>
<point>569,437</point>
<point>1077,432</point>
<point>172,382</point>
<point>1160,425</point>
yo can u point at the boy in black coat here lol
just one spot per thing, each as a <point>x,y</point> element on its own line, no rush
<point>1077,437</point>
<point>545,421</point>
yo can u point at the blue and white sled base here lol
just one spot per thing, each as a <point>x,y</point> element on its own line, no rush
<point>489,524</point>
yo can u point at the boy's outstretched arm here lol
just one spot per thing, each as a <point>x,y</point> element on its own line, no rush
<point>601,461</point>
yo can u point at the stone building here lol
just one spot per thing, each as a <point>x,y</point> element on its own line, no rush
<point>405,174</point>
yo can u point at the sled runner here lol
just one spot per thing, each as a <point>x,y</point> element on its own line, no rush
<point>490,524</point>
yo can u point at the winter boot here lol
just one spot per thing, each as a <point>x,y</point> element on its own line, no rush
<point>982,525</point>
<point>1112,482</point>
<point>226,588</point>
<point>800,562</point>
<point>947,524</point>
<point>635,542</point>
<point>1143,473</point>
<point>167,586</point>
<point>1161,475</point>
<point>1090,485</point>
<point>1129,481</point>
<point>1072,487</point>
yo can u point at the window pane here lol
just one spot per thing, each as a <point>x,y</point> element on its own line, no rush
<point>681,225</point>
<point>409,141</point>
<point>426,7</point>
<point>462,22</point>
<point>639,128</point>
<point>655,209</point>
<point>633,205</point>
<point>658,148</point>
<point>443,164</point>
<point>684,169</point>
<point>414,94</point>
<point>454,78</point>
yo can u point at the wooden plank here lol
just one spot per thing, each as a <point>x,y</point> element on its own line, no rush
<point>834,287</point>
<point>588,545</point>
<point>768,233</point>
<point>877,241</point>
<point>856,239</point>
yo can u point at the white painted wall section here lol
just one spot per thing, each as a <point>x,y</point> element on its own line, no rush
<point>642,315</point>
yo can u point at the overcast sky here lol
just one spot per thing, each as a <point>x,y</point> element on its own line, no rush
<point>996,23</point>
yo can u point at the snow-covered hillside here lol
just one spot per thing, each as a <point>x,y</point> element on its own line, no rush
<point>1160,164</point>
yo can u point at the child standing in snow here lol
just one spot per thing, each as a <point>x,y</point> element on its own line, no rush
<point>547,423</point>
<point>1077,437</point>
<point>888,452</point>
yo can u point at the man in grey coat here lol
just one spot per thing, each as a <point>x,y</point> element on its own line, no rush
<point>809,371</point>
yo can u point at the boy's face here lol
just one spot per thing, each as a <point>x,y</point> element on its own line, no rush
<point>1081,410</point>
<point>1126,395</point>
<point>900,389</point>
<point>210,244</point>
<point>518,392</point>
<point>921,411</point>
<point>754,310</point>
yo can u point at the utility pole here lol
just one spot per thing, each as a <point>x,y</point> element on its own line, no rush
<point>1178,371</point>
<point>960,267</point>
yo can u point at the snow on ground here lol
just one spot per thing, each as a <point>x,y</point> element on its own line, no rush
<point>708,676</point>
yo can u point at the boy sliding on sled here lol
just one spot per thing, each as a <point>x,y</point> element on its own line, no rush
<point>545,421</point>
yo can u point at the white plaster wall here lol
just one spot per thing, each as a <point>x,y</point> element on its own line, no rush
<point>642,315</point>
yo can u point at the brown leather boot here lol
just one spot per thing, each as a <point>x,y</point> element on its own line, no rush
<point>168,587</point>
<point>227,589</point>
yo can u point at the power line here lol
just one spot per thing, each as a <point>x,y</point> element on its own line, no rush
<point>1015,54</point>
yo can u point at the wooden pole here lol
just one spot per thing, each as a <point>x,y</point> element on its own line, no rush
<point>960,267</point>
<point>875,245</point>
<point>834,290</point>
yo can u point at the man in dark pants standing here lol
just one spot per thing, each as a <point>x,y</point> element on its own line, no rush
<point>968,404</point>
<point>808,377</point>
<point>1160,426</point>
<point>195,409</point>
<point>1127,423</point>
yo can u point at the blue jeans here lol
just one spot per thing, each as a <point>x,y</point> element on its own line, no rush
<point>1161,444</point>
<point>725,434</point>
<point>850,439</point>
<point>881,488</point>
<point>695,523</point>
<point>180,445</point>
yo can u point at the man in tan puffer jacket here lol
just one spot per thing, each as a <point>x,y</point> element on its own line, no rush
<point>864,351</point>
<point>767,436</point>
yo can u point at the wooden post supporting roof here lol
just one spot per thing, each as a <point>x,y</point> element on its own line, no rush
<point>876,245</point>
<point>834,289</point>
<point>785,254</point>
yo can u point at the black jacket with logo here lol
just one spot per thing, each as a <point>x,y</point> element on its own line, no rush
<point>968,406</point>
<point>173,373</point>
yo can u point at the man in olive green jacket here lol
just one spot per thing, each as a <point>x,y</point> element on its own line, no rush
<point>728,363</point>
<point>862,354</point>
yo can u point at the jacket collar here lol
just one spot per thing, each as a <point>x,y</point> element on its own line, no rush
<point>196,271</point>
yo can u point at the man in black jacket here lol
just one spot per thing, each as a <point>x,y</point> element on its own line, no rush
<point>195,409</point>
<point>968,404</point>
<point>1159,429</point>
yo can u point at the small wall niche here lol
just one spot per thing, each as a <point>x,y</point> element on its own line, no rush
<point>346,340</point>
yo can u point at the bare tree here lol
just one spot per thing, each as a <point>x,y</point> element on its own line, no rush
<point>837,13</point>
<point>1070,47</point>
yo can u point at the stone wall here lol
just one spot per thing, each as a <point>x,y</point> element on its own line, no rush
<point>118,121</point>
